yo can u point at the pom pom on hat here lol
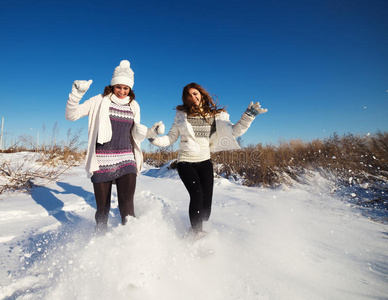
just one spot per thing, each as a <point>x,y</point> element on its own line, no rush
<point>123,74</point>
<point>125,64</point>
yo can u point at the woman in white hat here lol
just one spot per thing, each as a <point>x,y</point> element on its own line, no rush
<point>203,128</point>
<point>115,133</point>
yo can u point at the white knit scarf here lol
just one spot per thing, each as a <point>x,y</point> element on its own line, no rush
<point>105,127</point>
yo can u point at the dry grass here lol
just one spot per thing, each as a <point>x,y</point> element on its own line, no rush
<point>362,158</point>
<point>349,157</point>
<point>160,157</point>
<point>35,168</point>
<point>28,167</point>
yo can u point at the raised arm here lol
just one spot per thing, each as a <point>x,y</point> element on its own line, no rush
<point>74,110</point>
<point>247,118</point>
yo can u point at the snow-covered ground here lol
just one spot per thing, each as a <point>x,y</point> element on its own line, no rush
<point>288,243</point>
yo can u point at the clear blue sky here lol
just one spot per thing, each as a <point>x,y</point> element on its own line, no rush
<point>319,66</point>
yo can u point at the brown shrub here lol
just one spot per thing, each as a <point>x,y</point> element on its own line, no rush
<point>361,157</point>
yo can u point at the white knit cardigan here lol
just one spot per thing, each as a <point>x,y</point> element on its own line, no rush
<point>91,108</point>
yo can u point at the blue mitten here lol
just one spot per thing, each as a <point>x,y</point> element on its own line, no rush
<point>255,109</point>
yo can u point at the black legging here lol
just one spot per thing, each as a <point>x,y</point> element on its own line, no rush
<point>198,179</point>
<point>126,186</point>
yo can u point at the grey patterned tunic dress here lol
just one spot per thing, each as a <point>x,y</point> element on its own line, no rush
<point>116,157</point>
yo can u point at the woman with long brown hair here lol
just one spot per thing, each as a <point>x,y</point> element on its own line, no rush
<point>203,128</point>
<point>115,134</point>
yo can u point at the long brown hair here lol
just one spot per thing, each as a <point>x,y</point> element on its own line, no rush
<point>108,90</point>
<point>209,102</point>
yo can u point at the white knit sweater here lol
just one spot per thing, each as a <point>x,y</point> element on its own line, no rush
<point>223,139</point>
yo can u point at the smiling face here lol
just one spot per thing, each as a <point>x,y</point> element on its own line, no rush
<point>121,91</point>
<point>195,96</point>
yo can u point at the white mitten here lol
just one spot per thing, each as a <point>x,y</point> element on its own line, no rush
<point>255,109</point>
<point>155,130</point>
<point>80,87</point>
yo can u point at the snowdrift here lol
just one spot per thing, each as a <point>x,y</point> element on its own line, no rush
<point>303,242</point>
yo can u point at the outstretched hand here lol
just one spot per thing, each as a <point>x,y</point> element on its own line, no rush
<point>155,130</point>
<point>80,87</point>
<point>159,127</point>
<point>255,109</point>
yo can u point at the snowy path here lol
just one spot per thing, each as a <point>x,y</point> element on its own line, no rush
<point>295,243</point>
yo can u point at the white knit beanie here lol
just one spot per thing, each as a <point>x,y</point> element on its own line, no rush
<point>123,74</point>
